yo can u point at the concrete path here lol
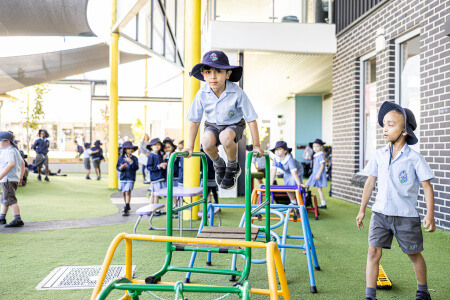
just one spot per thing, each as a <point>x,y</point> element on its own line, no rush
<point>138,200</point>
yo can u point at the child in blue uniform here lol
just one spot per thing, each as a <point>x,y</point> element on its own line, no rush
<point>41,146</point>
<point>97,157</point>
<point>318,177</point>
<point>169,149</point>
<point>157,168</point>
<point>227,109</point>
<point>293,169</point>
<point>127,165</point>
<point>87,159</point>
<point>399,170</point>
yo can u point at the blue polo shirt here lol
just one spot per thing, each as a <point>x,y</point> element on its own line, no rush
<point>398,183</point>
<point>232,105</point>
<point>8,154</point>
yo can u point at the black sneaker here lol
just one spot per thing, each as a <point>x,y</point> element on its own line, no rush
<point>47,179</point>
<point>98,177</point>
<point>220,173</point>
<point>423,295</point>
<point>370,298</point>
<point>231,176</point>
<point>15,223</point>
<point>39,177</point>
<point>87,177</point>
<point>2,221</point>
<point>125,212</point>
<point>323,206</point>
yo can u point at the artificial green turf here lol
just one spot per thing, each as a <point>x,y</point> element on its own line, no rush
<point>28,257</point>
<point>65,197</point>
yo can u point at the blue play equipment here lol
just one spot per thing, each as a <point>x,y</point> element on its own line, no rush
<point>283,212</point>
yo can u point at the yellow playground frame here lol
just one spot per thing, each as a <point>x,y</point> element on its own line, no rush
<point>274,265</point>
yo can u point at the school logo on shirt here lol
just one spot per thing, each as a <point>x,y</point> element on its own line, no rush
<point>213,56</point>
<point>403,176</point>
<point>231,114</point>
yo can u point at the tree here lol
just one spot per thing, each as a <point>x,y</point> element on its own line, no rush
<point>138,130</point>
<point>32,107</point>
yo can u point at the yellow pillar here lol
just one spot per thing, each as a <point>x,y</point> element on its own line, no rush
<point>191,171</point>
<point>113,103</point>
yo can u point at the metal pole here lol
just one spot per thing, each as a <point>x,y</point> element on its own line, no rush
<point>192,52</point>
<point>90,112</point>
<point>113,103</point>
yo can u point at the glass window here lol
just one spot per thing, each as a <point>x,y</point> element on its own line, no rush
<point>410,80</point>
<point>368,104</point>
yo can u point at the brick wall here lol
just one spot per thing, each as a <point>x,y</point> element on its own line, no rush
<point>396,17</point>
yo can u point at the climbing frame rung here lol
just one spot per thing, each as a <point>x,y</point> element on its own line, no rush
<point>224,233</point>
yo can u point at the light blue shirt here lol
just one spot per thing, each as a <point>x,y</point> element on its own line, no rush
<point>8,154</point>
<point>398,183</point>
<point>87,153</point>
<point>232,105</point>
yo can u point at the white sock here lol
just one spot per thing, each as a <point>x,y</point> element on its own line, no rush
<point>322,202</point>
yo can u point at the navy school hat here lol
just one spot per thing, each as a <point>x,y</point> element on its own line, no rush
<point>97,143</point>
<point>129,145</point>
<point>170,141</point>
<point>87,145</point>
<point>7,136</point>
<point>249,148</point>
<point>46,132</point>
<point>317,141</point>
<point>154,142</point>
<point>218,60</point>
<point>283,145</point>
<point>410,120</point>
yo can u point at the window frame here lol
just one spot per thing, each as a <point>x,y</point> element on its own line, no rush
<point>399,59</point>
<point>362,105</point>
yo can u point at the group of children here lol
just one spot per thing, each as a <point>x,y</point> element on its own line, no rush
<point>398,168</point>
<point>91,153</point>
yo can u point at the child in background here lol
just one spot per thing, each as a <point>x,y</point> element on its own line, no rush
<point>87,159</point>
<point>400,171</point>
<point>127,165</point>
<point>318,177</point>
<point>12,168</point>
<point>293,169</point>
<point>169,149</point>
<point>97,156</point>
<point>79,149</point>
<point>41,146</point>
<point>157,169</point>
<point>180,145</point>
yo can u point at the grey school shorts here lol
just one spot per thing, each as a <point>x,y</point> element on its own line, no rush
<point>9,192</point>
<point>96,163</point>
<point>238,128</point>
<point>407,231</point>
<point>41,159</point>
<point>87,163</point>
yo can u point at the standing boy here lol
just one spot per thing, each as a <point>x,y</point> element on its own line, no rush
<point>399,170</point>
<point>226,108</point>
<point>41,146</point>
<point>12,168</point>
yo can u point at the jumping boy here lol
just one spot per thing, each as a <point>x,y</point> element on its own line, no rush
<point>399,170</point>
<point>227,108</point>
<point>12,168</point>
<point>41,146</point>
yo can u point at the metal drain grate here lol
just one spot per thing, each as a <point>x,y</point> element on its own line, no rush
<point>79,277</point>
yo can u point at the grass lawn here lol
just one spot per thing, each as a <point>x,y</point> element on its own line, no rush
<point>28,257</point>
<point>71,197</point>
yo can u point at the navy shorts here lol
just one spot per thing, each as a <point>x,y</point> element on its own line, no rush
<point>238,128</point>
<point>407,231</point>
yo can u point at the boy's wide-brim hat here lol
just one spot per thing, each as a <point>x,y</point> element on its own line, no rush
<point>410,120</point>
<point>97,143</point>
<point>129,145</point>
<point>43,130</point>
<point>170,141</point>
<point>87,145</point>
<point>7,136</point>
<point>154,142</point>
<point>283,145</point>
<point>218,60</point>
<point>317,141</point>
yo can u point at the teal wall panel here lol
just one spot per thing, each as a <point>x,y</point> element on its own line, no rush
<point>308,121</point>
